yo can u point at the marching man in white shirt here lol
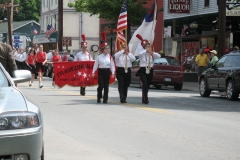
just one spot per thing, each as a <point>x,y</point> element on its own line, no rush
<point>84,55</point>
<point>145,72</point>
<point>124,61</point>
<point>105,65</point>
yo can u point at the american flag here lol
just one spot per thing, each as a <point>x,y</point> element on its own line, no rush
<point>122,25</point>
<point>49,31</point>
<point>34,31</point>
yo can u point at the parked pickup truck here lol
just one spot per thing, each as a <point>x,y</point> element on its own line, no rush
<point>166,72</point>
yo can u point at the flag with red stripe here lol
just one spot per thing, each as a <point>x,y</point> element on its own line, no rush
<point>121,25</point>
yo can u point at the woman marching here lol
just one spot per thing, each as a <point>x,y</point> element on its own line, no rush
<point>41,59</point>
<point>124,61</point>
<point>55,58</point>
<point>145,72</point>
<point>105,65</point>
<point>84,55</point>
<point>31,64</point>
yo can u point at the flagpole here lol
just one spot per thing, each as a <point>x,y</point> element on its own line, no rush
<point>153,24</point>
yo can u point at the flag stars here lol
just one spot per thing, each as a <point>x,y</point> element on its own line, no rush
<point>84,75</point>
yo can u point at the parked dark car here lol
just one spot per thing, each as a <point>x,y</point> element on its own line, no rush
<point>224,76</point>
<point>48,66</point>
<point>166,72</point>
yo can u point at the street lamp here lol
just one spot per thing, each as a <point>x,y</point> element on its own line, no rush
<point>193,27</point>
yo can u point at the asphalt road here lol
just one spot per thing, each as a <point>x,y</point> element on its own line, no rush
<point>175,125</point>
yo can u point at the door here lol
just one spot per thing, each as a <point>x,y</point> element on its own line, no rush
<point>135,67</point>
<point>212,78</point>
<point>224,71</point>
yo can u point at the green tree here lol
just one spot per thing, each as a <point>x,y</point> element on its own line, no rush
<point>110,9</point>
<point>27,10</point>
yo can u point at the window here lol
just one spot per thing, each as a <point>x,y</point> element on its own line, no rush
<point>161,61</point>
<point>56,1</point>
<point>228,61</point>
<point>43,3</point>
<point>172,61</point>
<point>206,3</point>
<point>220,63</point>
<point>236,61</point>
<point>47,22</point>
<point>43,24</point>
<point>51,2</point>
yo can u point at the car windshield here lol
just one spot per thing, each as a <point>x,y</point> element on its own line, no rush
<point>3,79</point>
<point>166,61</point>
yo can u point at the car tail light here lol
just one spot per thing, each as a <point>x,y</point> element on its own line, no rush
<point>181,69</point>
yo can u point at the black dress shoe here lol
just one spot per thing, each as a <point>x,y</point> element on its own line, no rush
<point>98,100</point>
<point>145,102</point>
<point>105,102</point>
<point>123,101</point>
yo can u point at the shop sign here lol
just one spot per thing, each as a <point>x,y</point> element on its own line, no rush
<point>232,8</point>
<point>179,6</point>
<point>42,39</point>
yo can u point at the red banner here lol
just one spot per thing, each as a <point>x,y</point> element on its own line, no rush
<point>76,74</point>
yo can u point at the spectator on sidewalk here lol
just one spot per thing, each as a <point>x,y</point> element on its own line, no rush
<point>7,59</point>
<point>202,62</point>
<point>214,57</point>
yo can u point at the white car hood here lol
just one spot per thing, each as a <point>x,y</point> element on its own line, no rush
<point>11,100</point>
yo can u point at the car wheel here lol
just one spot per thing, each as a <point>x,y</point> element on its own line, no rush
<point>231,95</point>
<point>42,156</point>
<point>203,89</point>
<point>178,87</point>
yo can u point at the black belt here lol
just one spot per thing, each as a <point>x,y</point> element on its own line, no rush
<point>202,66</point>
<point>103,68</point>
<point>123,67</point>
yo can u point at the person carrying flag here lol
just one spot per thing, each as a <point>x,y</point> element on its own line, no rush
<point>83,55</point>
<point>105,65</point>
<point>124,61</point>
<point>145,72</point>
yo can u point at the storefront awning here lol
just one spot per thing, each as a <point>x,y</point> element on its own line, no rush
<point>42,38</point>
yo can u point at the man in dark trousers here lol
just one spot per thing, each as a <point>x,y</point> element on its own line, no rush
<point>124,61</point>
<point>7,59</point>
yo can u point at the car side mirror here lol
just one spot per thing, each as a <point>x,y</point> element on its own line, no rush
<point>20,76</point>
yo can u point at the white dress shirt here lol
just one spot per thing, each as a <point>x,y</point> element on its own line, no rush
<point>83,56</point>
<point>143,57</point>
<point>120,58</point>
<point>104,61</point>
<point>21,57</point>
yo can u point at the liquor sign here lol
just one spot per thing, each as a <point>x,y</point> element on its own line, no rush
<point>232,8</point>
<point>179,6</point>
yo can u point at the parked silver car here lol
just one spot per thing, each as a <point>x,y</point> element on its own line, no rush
<point>21,122</point>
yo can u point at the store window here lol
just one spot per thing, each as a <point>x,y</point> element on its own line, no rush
<point>189,53</point>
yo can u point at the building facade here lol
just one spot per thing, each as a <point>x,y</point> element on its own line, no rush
<point>74,25</point>
<point>158,39</point>
<point>193,24</point>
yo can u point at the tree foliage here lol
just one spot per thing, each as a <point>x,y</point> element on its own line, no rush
<point>110,9</point>
<point>27,10</point>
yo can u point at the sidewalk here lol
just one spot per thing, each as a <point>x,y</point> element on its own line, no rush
<point>190,86</point>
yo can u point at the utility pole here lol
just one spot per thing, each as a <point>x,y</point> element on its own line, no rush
<point>221,27</point>
<point>60,24</point>
<point>10,20</point>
